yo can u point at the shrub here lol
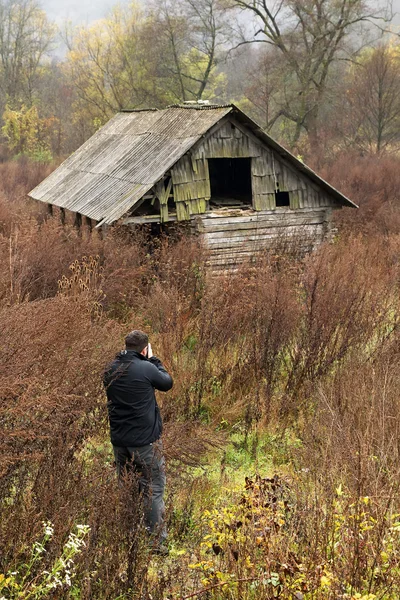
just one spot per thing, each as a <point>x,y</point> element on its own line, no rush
<point>304,348</point>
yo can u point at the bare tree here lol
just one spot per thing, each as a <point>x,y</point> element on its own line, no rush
<point>370,115</point>
<point>26,36</point>
<point>263,85</point>
<point>310,36</point>
<point>195,38</point>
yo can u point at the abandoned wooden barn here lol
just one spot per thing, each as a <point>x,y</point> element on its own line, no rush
<point>210,165</point>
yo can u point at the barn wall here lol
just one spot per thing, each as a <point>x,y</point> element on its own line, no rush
<point>191,186</point>
<point>233,236</point>
<point>191,181</point>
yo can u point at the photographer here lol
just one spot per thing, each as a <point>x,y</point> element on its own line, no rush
<point>136,425</point>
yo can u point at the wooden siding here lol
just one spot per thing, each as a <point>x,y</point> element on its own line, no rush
<point>191,186</point>
<point>233,236</point>
<point>228,141</point>
<point>191,181</point>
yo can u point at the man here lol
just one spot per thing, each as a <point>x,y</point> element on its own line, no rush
<point>136,424</point>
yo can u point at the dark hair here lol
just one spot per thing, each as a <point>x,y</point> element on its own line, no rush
<point>136,340</point>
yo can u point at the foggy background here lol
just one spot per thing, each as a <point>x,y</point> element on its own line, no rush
<point>77,11</point>
<point>85,12</point>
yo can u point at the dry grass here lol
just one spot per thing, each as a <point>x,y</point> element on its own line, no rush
<point>306,348</point>
<point>373,182</point>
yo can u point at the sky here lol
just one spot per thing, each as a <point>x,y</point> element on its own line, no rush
<point>87,11</point>
<point>77,11</point>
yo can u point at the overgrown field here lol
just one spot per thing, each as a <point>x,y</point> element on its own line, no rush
<point>282,431</point>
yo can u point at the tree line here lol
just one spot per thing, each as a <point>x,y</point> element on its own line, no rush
<point>319,75</point>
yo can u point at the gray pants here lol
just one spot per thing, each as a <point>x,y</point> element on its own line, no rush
<point>148,463</point>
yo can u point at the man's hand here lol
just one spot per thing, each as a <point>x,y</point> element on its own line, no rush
<point>149,351</point>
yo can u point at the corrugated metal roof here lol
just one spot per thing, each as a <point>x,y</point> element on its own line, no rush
<point>108,174</point>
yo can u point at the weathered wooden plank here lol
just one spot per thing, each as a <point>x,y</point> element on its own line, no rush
<point>254,240</point>
<point>248,230</point>
<point>233,258</point>
<point>234,147</point>
<point>303,198</point>
<point>197,206</point>
<point>223,254</point>
<point>238,241</point>
<point>182,171</point>
<point>263,185</point>
<point>236,132</point>
<point>254,227</point>
<point>230,259</point>
<point>182,211</point>
<point>273,240</point>
<point>262,165</point>
<point>192,190</point>
<point>288,170</point>
<point>294,200</point>
<point>264,201</point>
<point>274,215</point>
<point>240,258</point>
<point>281,229</point>
<point>248,227</point>
<point>256,142</point>
<point>225,131</point>
<point>259,225</point>
<point>201,171</point>
<point>164,213</point>
<point>163,193</point>
<point>190,179</point>
<point>146,219</point>
<point>325,201</point>
<point>234,212</point>
<point>214,218</point>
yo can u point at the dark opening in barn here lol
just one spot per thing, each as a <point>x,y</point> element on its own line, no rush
<point>150,206</point>
<point>282,198</point>
<point>230,180</point>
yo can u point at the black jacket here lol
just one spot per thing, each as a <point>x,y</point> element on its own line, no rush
<point>134,415</point>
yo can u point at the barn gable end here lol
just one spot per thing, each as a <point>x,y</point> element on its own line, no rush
<point>274,182</point>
